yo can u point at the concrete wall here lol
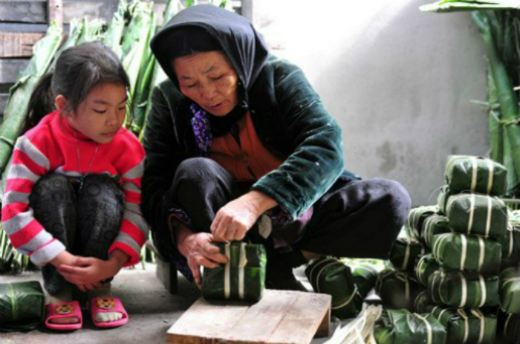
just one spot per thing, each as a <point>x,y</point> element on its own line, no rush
<point>398,81</point>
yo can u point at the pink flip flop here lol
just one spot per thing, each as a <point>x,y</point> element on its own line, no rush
<point>106,305</point>
<point>63,310</point>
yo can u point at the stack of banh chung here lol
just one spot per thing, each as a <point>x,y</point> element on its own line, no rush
<point>509,279</point>
<point>450,265</point>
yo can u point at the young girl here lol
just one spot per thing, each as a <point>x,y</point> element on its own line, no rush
<point>73,194</point>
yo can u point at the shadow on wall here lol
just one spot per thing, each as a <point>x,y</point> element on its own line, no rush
<point>398,81</point>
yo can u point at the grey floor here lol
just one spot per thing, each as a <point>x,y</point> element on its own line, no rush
<point>152,310</point>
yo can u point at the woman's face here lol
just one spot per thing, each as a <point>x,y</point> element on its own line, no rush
<point>209,80</point>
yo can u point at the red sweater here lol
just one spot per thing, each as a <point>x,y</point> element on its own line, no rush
<point>51,147</point>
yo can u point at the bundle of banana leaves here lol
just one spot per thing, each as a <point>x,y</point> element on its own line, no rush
<point>128,35</point>
<point>498,22</point>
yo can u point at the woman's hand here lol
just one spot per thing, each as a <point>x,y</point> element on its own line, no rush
<point>88,272</point>
<point>199,251</point>
<point>237,217</point>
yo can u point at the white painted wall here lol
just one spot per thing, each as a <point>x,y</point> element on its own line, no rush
<point>398,81</point>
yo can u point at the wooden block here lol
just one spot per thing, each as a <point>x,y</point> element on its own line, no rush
<point>17,44</point>
<point>281,317</point>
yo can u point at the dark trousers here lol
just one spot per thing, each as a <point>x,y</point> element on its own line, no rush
<point>358,219</point>
<point>85,220</point>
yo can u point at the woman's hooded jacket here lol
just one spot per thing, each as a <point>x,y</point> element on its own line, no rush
<point>287,114</point>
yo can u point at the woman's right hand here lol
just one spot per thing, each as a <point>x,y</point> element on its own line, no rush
<point>199,251</point>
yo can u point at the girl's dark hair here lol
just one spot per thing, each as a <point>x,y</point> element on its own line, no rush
<point>78,70</point>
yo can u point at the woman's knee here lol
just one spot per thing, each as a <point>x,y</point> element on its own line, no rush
<point>393,197</point>
<point>195,170</point>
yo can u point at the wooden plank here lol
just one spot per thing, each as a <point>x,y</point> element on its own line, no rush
<point>17,44</point>
<point>15,27</point>
<point>55,12</point>
<point>27,12</point>
<point>9,69</point>
<point>280,317</point>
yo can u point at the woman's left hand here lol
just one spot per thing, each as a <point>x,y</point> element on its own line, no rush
<point>238,216</point>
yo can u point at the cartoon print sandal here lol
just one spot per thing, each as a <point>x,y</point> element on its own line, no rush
<point>106,305</point>
<point>63,310</point>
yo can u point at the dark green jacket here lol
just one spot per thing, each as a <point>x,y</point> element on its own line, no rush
<point>289,119</point>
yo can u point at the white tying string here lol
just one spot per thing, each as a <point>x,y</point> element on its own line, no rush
<point>349,300</point>
<point>464,252</point>
<point>474,169</point>
<point>428,328</point>
<point>331,262</point>
<point>471,212</point>
<point>464,291</point>
<point>241,274</point>
<point>466,324</point>
<point>490,179</point>
<point>227,274</point>
<point>507,324</point>
<point>477,313</point>
<point>488,217</point>
<point>484,291</point>
<point>482,252</point>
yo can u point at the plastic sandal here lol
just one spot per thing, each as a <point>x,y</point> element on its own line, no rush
<point>105,305</point>
<point>63,310</point>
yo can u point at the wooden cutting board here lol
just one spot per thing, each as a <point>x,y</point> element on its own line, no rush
<point>281,317</point>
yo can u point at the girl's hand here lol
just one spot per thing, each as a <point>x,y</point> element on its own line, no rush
<point>89,271</point>
<point>237,217</point>
<point>199,251</point>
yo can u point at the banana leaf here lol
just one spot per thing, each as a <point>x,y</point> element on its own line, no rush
<point>144,81</point>
<point>43,53</point>
<point>22,306</point>
<point>92,30</point>
<point>465,173</point>
<point>332,277</point>
<point>415,219</point>
<point>463,289</point>
<point>14,119</point>
<point>114,34</point>
<point>510,243</point>
<point>470,5</point>
<point>477,214</point>
<point>510,290</point>
<point>423,303</point>
<point>135,46</point>
<point>242,278</point>
<point>433,225</point>
<point>397,289</point>
<point>365,277</point>
<point>509,327</point>
<point>401,326</point>
<point>495,128</point>
<point>467,252</point>
<point>425,267</point>
<point>467,325</point>
<point>75,32</point>
<point>506,95</point>
<point>404,253</point>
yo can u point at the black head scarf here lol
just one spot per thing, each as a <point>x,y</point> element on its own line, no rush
<point>208,28</point>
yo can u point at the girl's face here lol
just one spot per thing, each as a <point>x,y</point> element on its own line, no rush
<point>209,80</point>
<point>101,114</point>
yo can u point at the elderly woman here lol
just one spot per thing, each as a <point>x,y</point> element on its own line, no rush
<point>239,145</point>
